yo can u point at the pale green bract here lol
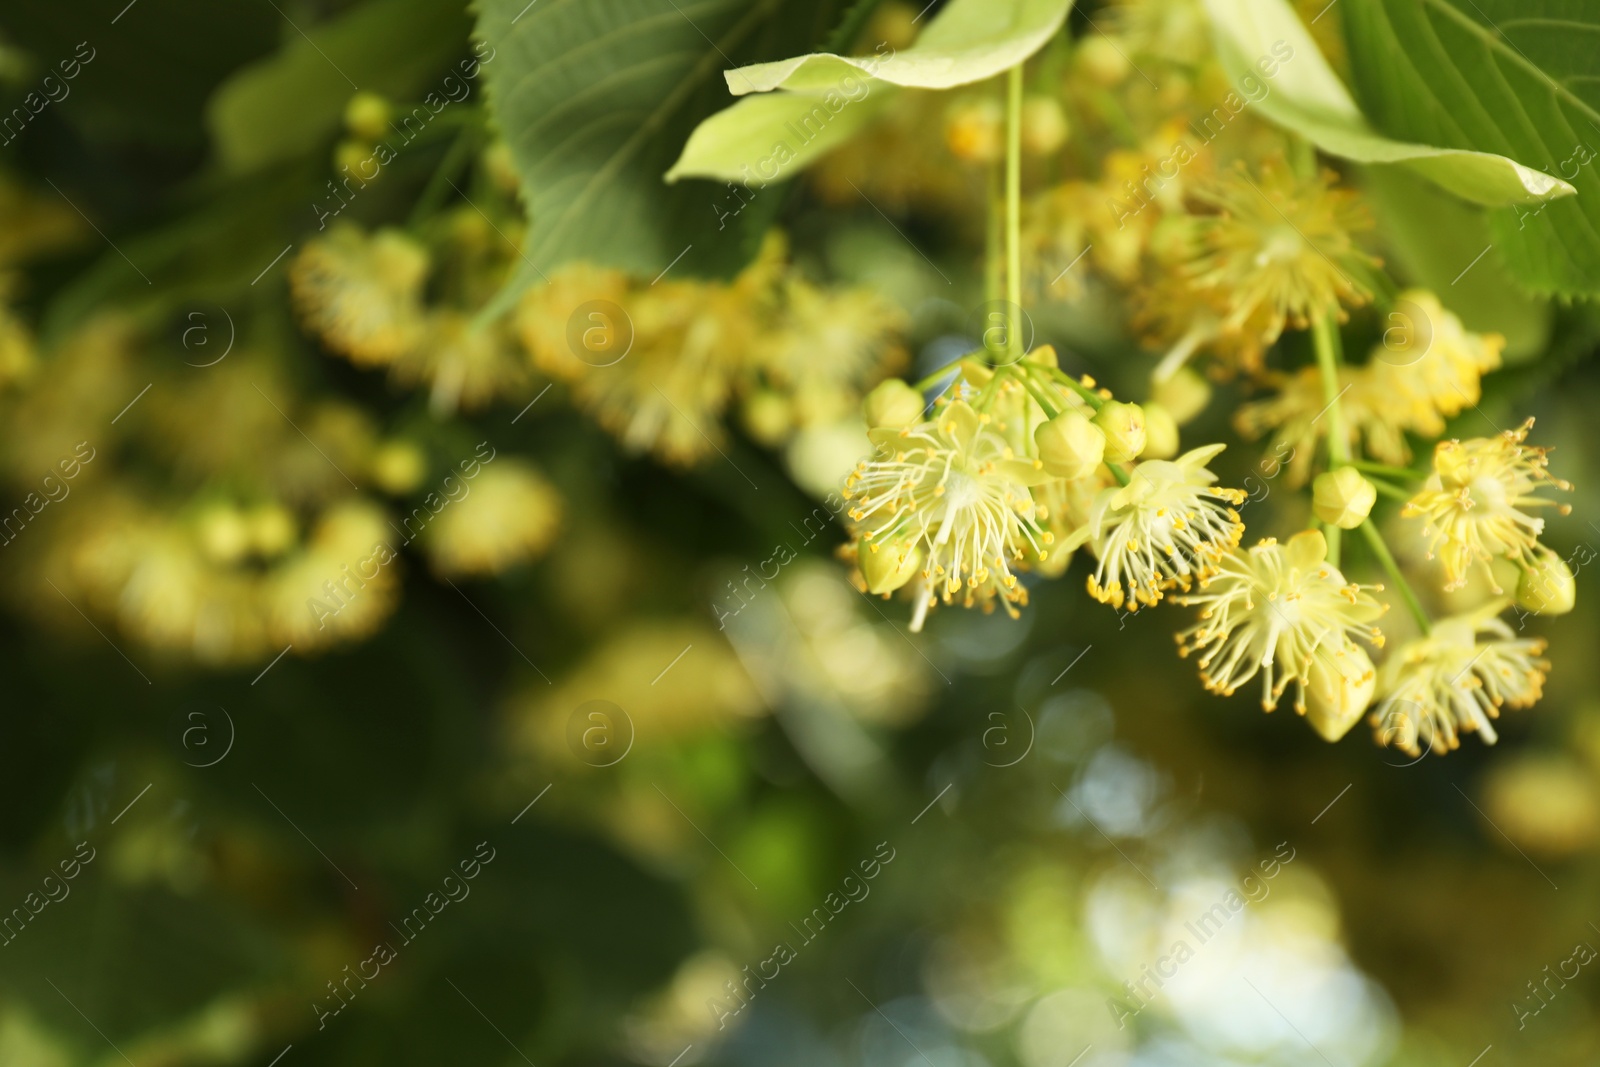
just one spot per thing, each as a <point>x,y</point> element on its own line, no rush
<point>968,41</point>
<point>733,144</point>
<point>804,106</point>
<point>1306,97</point>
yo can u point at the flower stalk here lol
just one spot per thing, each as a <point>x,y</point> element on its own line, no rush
<point>1325,340</point>
<point>1375,540</point>
<point>1014,209</point>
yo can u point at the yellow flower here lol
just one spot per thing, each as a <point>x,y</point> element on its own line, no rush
<point>1167,527</point>
<point>1338,690</point>
<point>465,367</point>
<point>18,357</point>
<point>1281,611</point>
<point>1429,367</point>
<point>826,347</point>
<point>1279,251</point>
<point>974,130</point>
<point>1475,505</point>
<point>509,514</point>
<point>1172,315</point>
<point>341,587</point>
<point>954,490</point>
<point>1373,413</point>
<point>1454,681</point>
<point>362,295</point>
<point>655,365</point>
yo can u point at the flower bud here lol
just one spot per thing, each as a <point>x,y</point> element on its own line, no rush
<point>975,131</point>
<point>224,534</point>
<point>1184,394</point>
<point>1044,125</point>
<point>1044,356</point>
<point>887,567</point>
<point>1070,446</point>
<point>1547,587</point>
<point>1160,433</point>
<point>1103,60</point>
<point>893,404</point>
<point>1338,690</point>
<point>769,416</point>
<point>272,530</point>
<point>367,116</point>
<point>1123,425</point>
<point>348,157</point>
<point>399,467</point>
<point>1343,497</point>
<point>500,167</point>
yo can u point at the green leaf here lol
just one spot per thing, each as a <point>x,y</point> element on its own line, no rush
<point>777,133</point>
<point>1445,245</point>
<point>1518,77</point>
<point>289,103</point>
<point>596,99</point>
<point>1305,95</point>
<point>968,41</point>
<point>830,97</point>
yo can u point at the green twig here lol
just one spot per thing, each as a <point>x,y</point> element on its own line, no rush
<point>1014,209</point>
<point>986,397</point>
<point>1325,339</point>
<point>954,364</point>
<point>1381,550</point>
<point>1090,397</point>
<point>1384,469</point>
<point>438,187</point>
<point>1392,491</point>
<point>1038,395</point>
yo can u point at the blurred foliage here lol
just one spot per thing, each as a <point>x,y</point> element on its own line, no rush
<point>250,257</point>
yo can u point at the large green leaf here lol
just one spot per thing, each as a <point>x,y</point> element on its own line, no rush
<point>288,103</point>
<point>595,99</point>
<point>1518,77</point>
<point>1306,96</point>
<point>969,41</point>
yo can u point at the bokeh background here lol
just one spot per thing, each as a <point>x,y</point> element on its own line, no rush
<point>538,756</point>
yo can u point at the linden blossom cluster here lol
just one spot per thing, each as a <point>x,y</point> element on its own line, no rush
<point>1477,505</point>
<point>342,590</point>
<point>1022,467</point>
<point>1209,128</point>
<point>1287,613</point>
